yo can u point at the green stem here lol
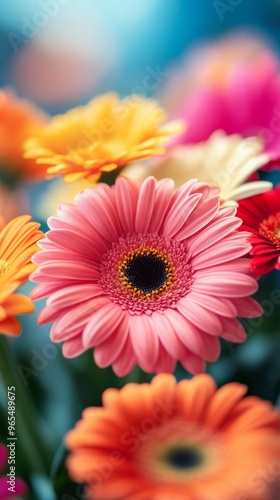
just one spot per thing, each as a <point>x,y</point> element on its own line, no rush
<point>27,421</point>
<point>138,376</point>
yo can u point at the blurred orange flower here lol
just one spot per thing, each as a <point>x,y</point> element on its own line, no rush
<point>101,136</point>
<point>17,119</point>
<point>180,441</point>
<point>18,243</point>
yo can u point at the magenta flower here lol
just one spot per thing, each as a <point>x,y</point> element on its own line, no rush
<point>145,275</point>
<point>248,103</point>
<point>9,487</point>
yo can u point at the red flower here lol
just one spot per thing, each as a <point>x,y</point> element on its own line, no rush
<point>261,216</point>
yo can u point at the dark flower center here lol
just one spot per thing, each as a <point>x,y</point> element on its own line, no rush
<point>183,457</point>
<point>146,272</point>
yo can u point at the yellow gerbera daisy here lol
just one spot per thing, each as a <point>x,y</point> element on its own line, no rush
<point>101,136</point>
<point>18,243</point>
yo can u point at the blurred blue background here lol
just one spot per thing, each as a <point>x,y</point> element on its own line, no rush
<point>62,52</point>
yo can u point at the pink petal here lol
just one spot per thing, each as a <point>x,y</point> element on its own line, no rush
<point>57,254</point>
<point>220,306</point>
<point>144,339</point>
<point>106,319</point>
<point>201,216</point>
<point>102,215</point>
<point>179,214</point>
<point>108,351</point>
<point>77,318</point>
<point>240,265</point>
<point>233,330</point>
<point>165,363</point>
<point>57,310</point>
<point>44,290</point>
<point>145,205</point>
<point>219,253</point>
<point>45,244</point>
<point>126,360</point>
<point>205,320</point>
<point>68,270</point>
<point>216,231</point>
<point>104,191</point>
<point>183,191</point>
<point>193,363</point>
<point>78,224</point>
<point>74,294</point>
<point>248,307</point>
<point>126,194</point>
<point>167,335</point>
<point>206,346</point>
<point>74,215</point>
<point>164,192</point>
<point>49,314</point>
<point>73,347</point>
<point>52,281</point>
<point>91,247</point>
<point>206,190</point>
<point>225,284</point>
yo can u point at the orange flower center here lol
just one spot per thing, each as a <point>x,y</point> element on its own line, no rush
<point>270,229</point>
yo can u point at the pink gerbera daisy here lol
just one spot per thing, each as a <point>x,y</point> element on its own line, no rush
<point>261,216</point>
<point>145,275</point>
<point>247,103</point>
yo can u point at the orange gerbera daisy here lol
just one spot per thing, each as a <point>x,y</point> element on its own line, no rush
<point>17,120</point>
<point>180,441</point>
<point>18,243</point>
<point>101,136</point>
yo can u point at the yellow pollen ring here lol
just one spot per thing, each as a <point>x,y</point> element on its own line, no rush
<point>146,251</point>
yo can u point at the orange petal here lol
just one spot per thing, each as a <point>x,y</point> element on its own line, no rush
<point>10,326</point>
<point>18,304</point>
<point>223,403</point>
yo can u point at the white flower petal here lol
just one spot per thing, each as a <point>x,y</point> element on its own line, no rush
<point>224,161</point>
